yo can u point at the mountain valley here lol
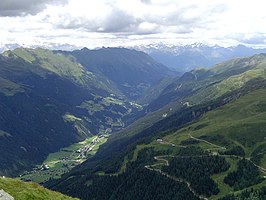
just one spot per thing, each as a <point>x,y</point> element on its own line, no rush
<point>219,135</point>
<point>55,101</point>
<point>132,100</point>
<point>69,124</point>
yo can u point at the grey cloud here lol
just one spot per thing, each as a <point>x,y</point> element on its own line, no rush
<point>23,7</point>
<point>119,22</point>
<point>261,39</point>
<point>116,21</point>
<point>258,38</point>
<point>146,1</point>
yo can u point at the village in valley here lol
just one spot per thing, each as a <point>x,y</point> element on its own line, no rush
<point>64,160</point>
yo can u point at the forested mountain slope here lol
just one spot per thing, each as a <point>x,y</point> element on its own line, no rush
<point>49,100</point>
<point>131,71</point>
<point>213,128</point>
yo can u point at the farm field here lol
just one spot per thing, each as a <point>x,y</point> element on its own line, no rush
<point>63,161</point>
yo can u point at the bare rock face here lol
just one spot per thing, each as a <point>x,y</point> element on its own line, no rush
<point>5,196</point>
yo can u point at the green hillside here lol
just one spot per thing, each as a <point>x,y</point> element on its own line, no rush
<point>210,130</point>
<point>201,135</point>
<point>54,101</point>
<point>133,72</point>
<point>202,85</point>
<point>210,85</point>
<point>62,65</point>
<point>241,122</point>
<point>238,124</point>
<point>222,143</point>
<point>56,63</point>
<point>29,191</point>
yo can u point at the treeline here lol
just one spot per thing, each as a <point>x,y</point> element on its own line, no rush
<point>236,150</point>
<point>247,174</point>
<point>249,194</point>
<point>258,153</point>
<point>217,139</point>
<point>197,171</point>
<point>137,183</point>
<point>191,151</point>
<point>189,142</point>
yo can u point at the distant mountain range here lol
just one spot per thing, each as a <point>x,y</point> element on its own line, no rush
<point>181,58</point>
<point>187,57</point>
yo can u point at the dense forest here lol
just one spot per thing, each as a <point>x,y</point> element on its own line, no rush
<point>247,174</point>
<point>197,171</point>
<point>137,183</point>
<point>236,150</point>
<point>249,194</point>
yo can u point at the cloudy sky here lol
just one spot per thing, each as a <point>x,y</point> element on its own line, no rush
<point>96,23</point>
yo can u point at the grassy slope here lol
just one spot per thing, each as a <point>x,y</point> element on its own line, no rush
<point>241,122</point>
<point>202,85</point>
<point>234,121</point>
<point>9,88</point>
<point>211,84</point>
<point>50,82</point>
<point>154,91</point>
<point>64,66</point>
<point>57,63</point>
<point>29,191</point>
<point>208,85</point>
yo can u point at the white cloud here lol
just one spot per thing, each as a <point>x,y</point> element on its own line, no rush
<point>120,22</point>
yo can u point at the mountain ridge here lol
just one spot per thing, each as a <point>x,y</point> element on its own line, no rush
<point>186,57</point>
<point>140,73</point>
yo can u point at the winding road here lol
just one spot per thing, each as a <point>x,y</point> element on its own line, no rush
<point>235,156</point>
<point>165,162</point>
<point>202,140</point>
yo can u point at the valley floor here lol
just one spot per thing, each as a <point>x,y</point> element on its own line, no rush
<point>64,160</point>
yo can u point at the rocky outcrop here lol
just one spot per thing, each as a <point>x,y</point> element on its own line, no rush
<point>5,196</point>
